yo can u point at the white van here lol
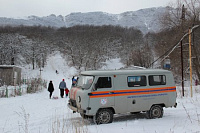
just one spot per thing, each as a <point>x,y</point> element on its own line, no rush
<point>100,94</point>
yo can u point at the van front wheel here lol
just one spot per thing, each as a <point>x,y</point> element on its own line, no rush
<point>156,111</point>
<point>104,116</point>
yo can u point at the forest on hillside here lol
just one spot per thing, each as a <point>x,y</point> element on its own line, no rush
<point>87,47</point>
<point>84,46</point>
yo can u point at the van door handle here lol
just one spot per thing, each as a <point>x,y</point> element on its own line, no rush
<point>111,92</point>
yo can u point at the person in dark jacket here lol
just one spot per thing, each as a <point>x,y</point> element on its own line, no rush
<point>56,72</point>
<point>62,87</point>
<point>50,89</point>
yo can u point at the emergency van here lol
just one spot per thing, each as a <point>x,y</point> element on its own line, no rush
<point>101,94</point>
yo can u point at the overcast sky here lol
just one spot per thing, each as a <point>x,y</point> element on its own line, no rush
<point>23,8</point>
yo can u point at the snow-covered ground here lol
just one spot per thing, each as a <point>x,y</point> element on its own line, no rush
<point>36,113</point>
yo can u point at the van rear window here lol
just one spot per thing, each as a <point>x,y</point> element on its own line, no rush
<point>135,81</point>
<point>157,80</point>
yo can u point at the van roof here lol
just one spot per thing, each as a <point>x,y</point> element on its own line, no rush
<point>126,72</point>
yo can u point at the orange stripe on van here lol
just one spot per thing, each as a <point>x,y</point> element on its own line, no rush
<point>132,92</point>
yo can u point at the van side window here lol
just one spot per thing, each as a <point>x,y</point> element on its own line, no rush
<point>157,80</point>
<point>104,82</point>
<point>135,81</point>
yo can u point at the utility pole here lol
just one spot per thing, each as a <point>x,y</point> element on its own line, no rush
<point>182,80</point>
<point>183,12</point>
<point>40,77</point>
<point>182,74</point>
<point>40,72</point>
<point>190,57</point>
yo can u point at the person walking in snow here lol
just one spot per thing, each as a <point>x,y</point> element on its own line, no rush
<point>50,89</point>
<point>196,82</point>
<point>62,87</point>
<point>66,92</point>
<point>74,81</point>
<point>56,72</point>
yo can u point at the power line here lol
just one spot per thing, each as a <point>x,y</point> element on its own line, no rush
<point>170,50</point>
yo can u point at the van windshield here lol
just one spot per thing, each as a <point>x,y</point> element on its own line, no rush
<point>85,81</point>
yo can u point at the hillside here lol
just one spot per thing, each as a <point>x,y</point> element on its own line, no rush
<point>146,20</point>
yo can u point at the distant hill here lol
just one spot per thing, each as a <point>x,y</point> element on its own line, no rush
<point>145,20</point>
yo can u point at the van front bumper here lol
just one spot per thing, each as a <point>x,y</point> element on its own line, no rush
<point>76,109</point>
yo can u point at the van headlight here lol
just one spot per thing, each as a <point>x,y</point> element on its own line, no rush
<point>79,99</point>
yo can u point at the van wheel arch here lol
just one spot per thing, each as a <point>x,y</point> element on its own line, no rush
<point>162,104</point>
<point>111,108</point>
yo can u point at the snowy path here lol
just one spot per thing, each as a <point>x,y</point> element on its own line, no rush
<point>54,63</point>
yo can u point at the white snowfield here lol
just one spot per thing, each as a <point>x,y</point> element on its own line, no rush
<point>36,113</point>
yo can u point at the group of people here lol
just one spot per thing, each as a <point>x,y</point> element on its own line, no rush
<point>62,86</point>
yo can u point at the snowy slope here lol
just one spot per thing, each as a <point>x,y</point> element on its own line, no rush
<point>145,19</point>
<point>54,62</point>
<point>36,113</point>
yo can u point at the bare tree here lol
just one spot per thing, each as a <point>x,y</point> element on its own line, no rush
<point>178,18</point>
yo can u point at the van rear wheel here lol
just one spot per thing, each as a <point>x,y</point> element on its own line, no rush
<point>156,111</point>
<point>104,116</point>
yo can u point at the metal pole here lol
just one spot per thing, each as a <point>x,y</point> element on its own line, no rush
<point>190,56</point>
<point>182,69</point>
